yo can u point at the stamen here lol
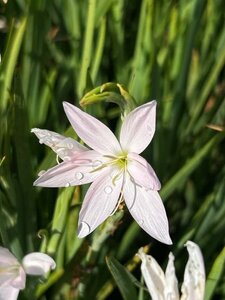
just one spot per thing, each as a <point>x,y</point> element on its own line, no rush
<point>57,159</point>
<point>118,204</point>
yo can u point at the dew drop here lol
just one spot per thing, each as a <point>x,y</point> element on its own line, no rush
<point>67,184</point>
<point>41,141</point>
<point>108,189</point>
<point>140,222</point>
<point>96,163</point>
<point>79,175</point>
<point>41,172</point>
<point>66,158</point>
<point>70,146</point>
<point>83,229</point>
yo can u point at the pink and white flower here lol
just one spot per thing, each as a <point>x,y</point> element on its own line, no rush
<point>13,273</point>
<point>115,168</point>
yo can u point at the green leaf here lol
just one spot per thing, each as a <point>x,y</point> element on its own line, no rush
<point>189,167</point>
<point>123,278</point>
<point>215,275</point>
<point>10,59</point>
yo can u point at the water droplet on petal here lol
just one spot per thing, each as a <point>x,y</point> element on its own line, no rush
<point>96,163</point>
<point>79,175</point>
<point>70,146</point>
<point>66,158</point>
<point>108,189</point>
<point>83,229</point>
<point>41,141</point>
<point>41,172</point>
<point>140,222</point>
<point>67,184</point>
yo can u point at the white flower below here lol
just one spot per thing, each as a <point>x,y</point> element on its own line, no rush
<point>13,273</point>
<point>164,286</point>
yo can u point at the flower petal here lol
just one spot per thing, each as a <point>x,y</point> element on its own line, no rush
<point>193,286</point>
<point>64,147</point>
<point>9,293</point>
<point>11,272</point>
<point>153,276</point>
<point>138,128</point>
<point>171,286</point>
<point>142,172</point>
<point>93,132</point>
<point>38,263</point>
<point>99,202</point>
<point>7,259</point>
<point>147,209</point>
<point>86,168</point>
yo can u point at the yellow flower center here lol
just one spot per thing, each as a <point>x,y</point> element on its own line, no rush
<point>121,162</point>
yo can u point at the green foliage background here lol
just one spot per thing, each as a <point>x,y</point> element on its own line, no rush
<point>172,51</point>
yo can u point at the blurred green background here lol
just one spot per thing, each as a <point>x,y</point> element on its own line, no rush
<point>172,51</point>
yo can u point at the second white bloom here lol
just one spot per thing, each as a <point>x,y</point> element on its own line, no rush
<point>164,286</point>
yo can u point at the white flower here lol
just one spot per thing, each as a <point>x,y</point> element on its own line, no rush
<point>13,273</point>
<point>115,167</point>
<point>165,286</point>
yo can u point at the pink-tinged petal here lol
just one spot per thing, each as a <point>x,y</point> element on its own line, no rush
<point>7,258</point>
<point>11,272</point>
<point>142,172</point>
<point>8,293</point>
<point>99,202</point>
<point>171,287</point>
<point>38,263</point>
<point>20,280</point>
<point>193,286</point>
<point>93,132</point>
<point>84,169</point>
<point>147,209</point>
<point>13,276</point>
<point>64,147</point>
<point>153,276</point>
<point>138,128</point>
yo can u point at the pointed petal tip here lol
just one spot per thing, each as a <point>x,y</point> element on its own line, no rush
<point>36,130</point>
<point>83,230</point>
<point>165,240</point>
<point>36,182</point>
<point>66,105</point>
<point>168,241</point>
<point>153,102</point>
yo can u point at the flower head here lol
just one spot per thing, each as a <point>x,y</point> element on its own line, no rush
<point>163,286</point>
<point>115,168</point>
<point>13,273</point>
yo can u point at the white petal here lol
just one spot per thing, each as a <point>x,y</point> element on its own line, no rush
<point>93,132</point>
<point>147,209</point>
<point>193,286</point>
<point>153,276</point>
<point>64,147</point>
<point>99,202</point>
<point>84,169</point>
<point>142,172</point>
<point>11,272</point>
<point>38,263</point>
<point>7,258</point>
<point>138,128</point>
<point>171,286</point>
<point>8,293</point>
